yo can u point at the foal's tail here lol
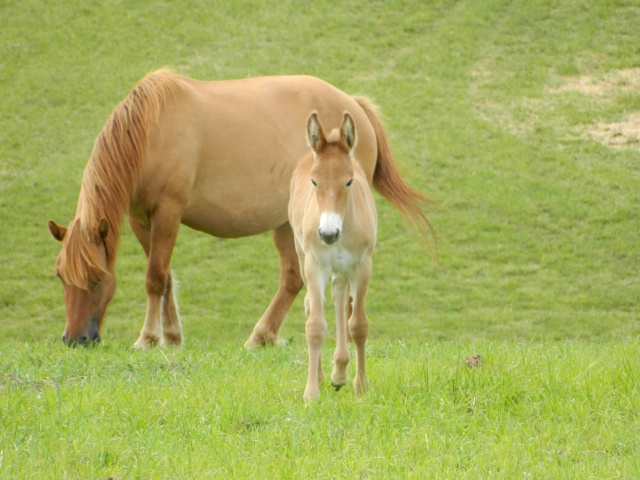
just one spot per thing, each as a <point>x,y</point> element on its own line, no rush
<point>389,182</point>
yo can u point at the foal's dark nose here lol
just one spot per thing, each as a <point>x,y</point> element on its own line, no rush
<point>329,237</point>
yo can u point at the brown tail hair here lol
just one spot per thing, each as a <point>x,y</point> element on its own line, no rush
<point>388,181</point>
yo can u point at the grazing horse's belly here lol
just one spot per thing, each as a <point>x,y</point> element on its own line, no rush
<point>224,152</point>
<point>237,214</point>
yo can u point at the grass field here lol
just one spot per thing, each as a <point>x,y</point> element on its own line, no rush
<point>522,119</point>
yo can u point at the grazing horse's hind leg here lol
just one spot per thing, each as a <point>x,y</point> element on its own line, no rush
<point>158,243</point>
<point>268,327</point>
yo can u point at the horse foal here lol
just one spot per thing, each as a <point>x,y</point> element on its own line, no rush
<point>333,216</point>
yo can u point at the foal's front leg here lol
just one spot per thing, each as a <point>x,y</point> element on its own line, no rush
<point>339,287</point>
<point>316,326</point>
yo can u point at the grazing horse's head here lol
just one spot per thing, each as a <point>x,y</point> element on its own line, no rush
<point>331,173</point>
<point>87,273</point>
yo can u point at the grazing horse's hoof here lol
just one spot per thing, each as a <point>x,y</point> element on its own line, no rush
<point>257,340</point>
<point>145,343</point>
<point>336,387</point>
<point>172,340</point>
<point>252,345</point>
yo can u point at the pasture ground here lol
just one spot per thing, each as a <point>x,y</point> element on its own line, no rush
<point>520,118</point>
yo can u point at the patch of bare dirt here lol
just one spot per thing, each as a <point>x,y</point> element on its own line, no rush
<point>625,134</point>
<point>521,118</point>
<point>474,361</point>
<point>619,80</point>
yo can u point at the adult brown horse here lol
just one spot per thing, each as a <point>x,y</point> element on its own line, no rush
<point>217,157</point>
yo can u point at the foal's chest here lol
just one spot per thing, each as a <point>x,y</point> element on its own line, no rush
<point>339,259</point>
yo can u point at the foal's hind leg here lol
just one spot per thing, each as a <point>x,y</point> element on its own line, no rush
<point>171,325</point>
<point>268,327</point>
<point>359,324</point>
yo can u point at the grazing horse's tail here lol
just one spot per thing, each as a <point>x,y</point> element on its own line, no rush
<point>388,181</point>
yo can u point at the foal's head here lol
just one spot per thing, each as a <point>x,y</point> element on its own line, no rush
<point>87,275</point>
<point>331,173</point>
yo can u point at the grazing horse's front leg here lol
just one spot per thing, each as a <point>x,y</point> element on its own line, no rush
<point>268,327</point>
<point>165,223</point>
<point>171,325</point>
<point>339,287</point>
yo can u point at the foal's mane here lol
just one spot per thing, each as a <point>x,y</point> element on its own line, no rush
<point>111,175</point>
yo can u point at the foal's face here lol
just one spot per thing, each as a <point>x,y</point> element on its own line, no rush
<point>331,177</point>
<point>332,173</point>
<point>88,284</point>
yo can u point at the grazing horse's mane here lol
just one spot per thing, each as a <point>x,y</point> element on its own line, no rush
<point>111,175</point>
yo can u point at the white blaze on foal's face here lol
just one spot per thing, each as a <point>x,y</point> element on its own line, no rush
<point>330,227</point>
<point>331,185</point>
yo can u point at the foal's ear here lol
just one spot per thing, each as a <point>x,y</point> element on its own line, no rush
<point>315,136</point>
<point>348,131</point>
<point>57,231</point>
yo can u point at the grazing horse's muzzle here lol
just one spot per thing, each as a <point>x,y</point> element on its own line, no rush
<point>84,339</point>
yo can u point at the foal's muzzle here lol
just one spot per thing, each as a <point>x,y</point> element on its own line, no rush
<point>329,237</point>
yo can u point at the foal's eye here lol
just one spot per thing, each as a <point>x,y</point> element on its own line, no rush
<point>313,182</point>
<point>349,183</point>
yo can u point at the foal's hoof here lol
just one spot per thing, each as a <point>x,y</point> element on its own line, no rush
<point>311,396</point>
<point>338,379</point>
<point>361,385</point>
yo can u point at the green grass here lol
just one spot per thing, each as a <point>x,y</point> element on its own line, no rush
<point>531,410</point>
<point>538,266</point>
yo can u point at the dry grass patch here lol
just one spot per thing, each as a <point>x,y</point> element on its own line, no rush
<point>521,118</point>
<point>611,83</point>
<point>624,134</point>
